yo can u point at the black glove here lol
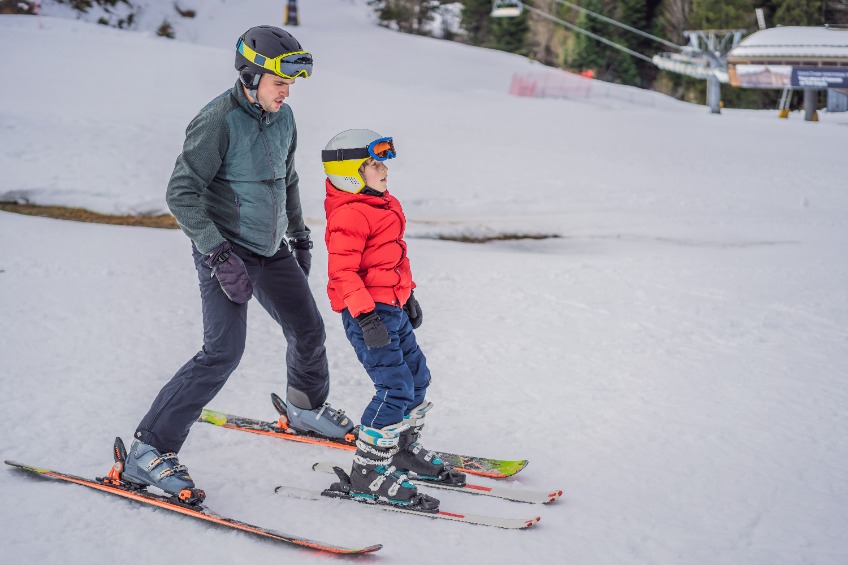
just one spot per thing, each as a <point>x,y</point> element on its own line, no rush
<point>413,310</point>
<point>231,273</point>
<point>301,251</point>
<point>374,330</point>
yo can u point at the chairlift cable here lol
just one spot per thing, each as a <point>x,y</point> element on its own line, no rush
<point>589,33</point>
<point>621,25</point>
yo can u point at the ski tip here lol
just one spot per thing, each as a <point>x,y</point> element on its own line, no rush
<point>340,550</point>
<point>521,464</point>
<point>532,521</point>
<point>369,549</point>
<point>498,470</point>
<point>372,548</point>
<point>554,496</point>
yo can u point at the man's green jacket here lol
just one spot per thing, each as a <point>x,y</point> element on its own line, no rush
<point>235,178</point>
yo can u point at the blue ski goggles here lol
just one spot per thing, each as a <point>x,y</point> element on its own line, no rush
<point>382,149</point>
<point>379,150</point>
<point>287,65</point>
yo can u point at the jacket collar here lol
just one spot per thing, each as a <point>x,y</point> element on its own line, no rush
<point>336,198</point>
<point>254,110</point>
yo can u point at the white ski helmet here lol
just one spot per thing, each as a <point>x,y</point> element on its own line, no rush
<point>345,153</point>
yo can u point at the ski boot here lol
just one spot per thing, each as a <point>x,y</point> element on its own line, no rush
<point>145,466</point>
<point>413,458</point>
<point>374,475</point>
<point>325,420</point>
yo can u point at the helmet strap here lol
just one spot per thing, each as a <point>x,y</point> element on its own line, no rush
<point>251,83</point>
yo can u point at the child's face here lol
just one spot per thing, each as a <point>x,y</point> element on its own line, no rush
<point>376,174</point>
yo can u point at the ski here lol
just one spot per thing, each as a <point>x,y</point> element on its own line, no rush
<point>506,523</point>
<point>110,485</point>
<point>481,466</point>
<point>516,495</point>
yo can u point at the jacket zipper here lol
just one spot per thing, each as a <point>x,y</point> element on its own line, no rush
<point>262,116</point>
<point>402,249</point>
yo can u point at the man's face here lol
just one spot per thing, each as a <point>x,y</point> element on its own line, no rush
<point>273,91</point>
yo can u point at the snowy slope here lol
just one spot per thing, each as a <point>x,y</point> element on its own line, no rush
<point>676,360</point>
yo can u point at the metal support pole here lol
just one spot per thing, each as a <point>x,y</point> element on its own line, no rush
<point>783,105</point>
<point>290,17</point>
<point>810,100</point>
<point>714,95</point>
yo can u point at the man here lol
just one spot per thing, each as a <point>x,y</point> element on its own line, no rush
<point>234,192</point>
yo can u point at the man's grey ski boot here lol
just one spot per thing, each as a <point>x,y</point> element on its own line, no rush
<point>324,420</point>
<point>374,477</point>
<point>144,465</point>
<point>413,458</point>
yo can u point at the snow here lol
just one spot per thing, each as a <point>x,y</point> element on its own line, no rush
<point>675,359</point>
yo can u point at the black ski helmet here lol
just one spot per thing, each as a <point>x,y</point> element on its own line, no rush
<point>268,41</point>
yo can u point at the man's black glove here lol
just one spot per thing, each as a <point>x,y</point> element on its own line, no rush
<point>374,330</point>
<point>231,273</point>
<point>301,251</point>
<point>413,310</point>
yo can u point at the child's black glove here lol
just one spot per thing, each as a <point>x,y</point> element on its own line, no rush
<point>231,273</point>
<point>303,255</point>
<point>374,330</point>
<point>413,310</point>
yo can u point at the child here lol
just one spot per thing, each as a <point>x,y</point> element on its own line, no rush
<point>370,283</point>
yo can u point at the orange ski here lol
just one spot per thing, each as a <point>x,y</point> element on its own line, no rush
<point>481,466</point>
<point>193,510</point>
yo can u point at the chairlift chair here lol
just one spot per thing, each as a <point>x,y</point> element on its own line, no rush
<point>506,8</point>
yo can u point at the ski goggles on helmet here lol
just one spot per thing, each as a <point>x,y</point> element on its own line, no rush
<point>382,149</point>
<point>379,150</point>
<point>287,65</point>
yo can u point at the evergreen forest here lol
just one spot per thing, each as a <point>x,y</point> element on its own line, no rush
<point>555,45</point>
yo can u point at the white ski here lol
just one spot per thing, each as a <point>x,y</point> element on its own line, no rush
<point>507,523</point>
<point>517,495</point>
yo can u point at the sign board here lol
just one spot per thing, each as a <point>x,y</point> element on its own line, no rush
<point>760,76</point>
<point>787,76</point>
<point>820,77</point>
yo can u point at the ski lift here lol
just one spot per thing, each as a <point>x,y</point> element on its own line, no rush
<point>506,8</point>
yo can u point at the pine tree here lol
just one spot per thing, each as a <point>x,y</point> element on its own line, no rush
<point>625,70</point>
<point>675,19</point>
<point>409,16</point>
<point>476,22</point>
<point>799,13</point>
<point>510,34</point>
<point>589,53</point>
<point>610,63</point>
<point>634,14</point>
<point>836,12</point>
<point>722,14</point>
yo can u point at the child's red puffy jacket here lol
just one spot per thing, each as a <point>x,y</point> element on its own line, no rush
<point>367,253</point>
